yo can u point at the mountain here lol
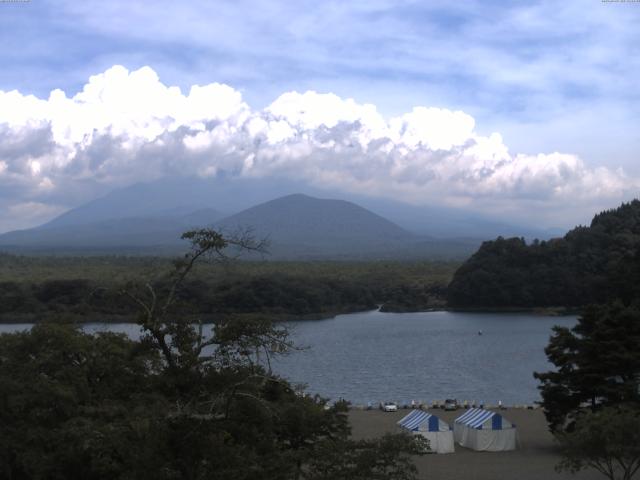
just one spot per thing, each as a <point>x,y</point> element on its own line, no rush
<point>169,197</point>
<point>302,226</point>
<point>298,227</point>
<point>175,196</point>
<point>149,217</point>
<point>446,222</point>
<point>126,235</point>
<point>593,264</point>
<point>299,218</point>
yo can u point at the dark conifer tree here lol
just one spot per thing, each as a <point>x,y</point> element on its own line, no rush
<point>597,364</point>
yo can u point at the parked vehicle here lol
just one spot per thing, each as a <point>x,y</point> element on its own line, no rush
<point>390,407</point>
<point>451,404</point>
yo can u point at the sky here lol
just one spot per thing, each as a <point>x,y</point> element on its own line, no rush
<point>525,111</point>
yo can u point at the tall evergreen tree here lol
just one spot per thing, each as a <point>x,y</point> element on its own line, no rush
<point>597,364</point>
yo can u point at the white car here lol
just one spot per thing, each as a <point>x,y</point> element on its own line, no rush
<point>390,407</point>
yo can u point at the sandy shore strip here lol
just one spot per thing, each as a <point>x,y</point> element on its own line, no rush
<point>535,458</point>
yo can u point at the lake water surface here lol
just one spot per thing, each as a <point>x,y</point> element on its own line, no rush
<point>374,356</point>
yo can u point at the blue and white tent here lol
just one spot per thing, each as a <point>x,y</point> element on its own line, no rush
<point>485,430</point>
<point>432,428</point>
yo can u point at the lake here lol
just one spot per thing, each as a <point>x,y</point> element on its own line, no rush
<point>376,356</point>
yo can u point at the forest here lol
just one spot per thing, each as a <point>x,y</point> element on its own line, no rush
<point>175,404</point>
<point>36,288</point>
<point>590,264</point>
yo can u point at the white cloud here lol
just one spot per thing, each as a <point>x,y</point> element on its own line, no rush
<point>20,215</point>
<point>435,128</point>
<point>128,126</point>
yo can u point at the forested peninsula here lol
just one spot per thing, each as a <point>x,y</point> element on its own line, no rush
<point>84,289</point>
<point>590,264</point>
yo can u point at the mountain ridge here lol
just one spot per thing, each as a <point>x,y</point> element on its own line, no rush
<point>230,195</point>
<point>149,217</point>
<point>299,226</point>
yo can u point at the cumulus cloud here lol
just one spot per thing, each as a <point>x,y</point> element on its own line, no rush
<point>20,215</point>
<point>128,126</point>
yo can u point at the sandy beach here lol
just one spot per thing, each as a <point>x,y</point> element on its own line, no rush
<point>535,458</point>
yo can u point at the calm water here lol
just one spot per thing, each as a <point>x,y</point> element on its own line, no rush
<point>376,356</point>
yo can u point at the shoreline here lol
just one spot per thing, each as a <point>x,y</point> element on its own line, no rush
<point>74,318</point>
<point>542,311</point>
<point>536,456</point>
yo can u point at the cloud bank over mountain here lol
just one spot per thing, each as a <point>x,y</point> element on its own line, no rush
<point>125,127</point>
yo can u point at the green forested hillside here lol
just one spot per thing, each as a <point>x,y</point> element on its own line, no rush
<point>90,288</point>
<point>588,265</point>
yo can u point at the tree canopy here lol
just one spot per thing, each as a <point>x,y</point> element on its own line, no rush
<point>592,264</point>
<point>597,364</point>
<point>33,289</point>
<point>178,404</point>
<point>607,441</point>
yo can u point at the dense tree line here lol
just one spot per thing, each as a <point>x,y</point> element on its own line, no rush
<point>276,295</point>
<point>279,295</point>
<point>588,265</point>
<point>177,404</point>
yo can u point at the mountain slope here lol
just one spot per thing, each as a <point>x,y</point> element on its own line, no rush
<point>116,233</point>
<point>303,220</point>
<point>588,265</point>
<point>177,196</point>
<point>299,227</point>
<point>173,197</point>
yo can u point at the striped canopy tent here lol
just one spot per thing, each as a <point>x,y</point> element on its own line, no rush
<point>485,430</point>
<point>432,428</point>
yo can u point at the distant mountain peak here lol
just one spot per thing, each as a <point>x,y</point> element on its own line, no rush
<point>297,222</point>
<point>296,196</point>
<point>298,216</point>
